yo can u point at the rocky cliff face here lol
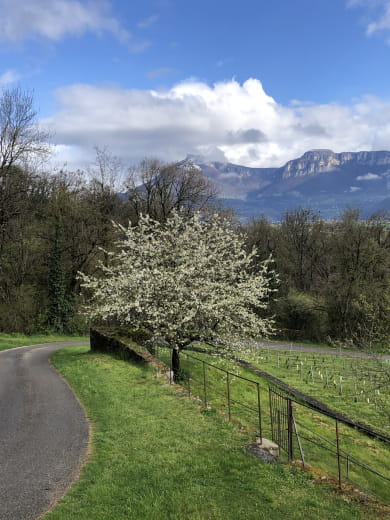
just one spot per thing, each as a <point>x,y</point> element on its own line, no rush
<point>320,179</point>
<point>319,161</point>
<point>233,180</point>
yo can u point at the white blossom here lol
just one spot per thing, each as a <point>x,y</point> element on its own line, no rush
<point>187,278</point>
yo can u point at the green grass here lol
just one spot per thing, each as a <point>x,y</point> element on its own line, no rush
<point>311,424</point>
<point>156,455</point>
<point>376,348</point>
<point>356,386</point>
<point>8,341</point>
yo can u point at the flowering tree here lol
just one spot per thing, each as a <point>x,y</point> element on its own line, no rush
<point>185,279</point>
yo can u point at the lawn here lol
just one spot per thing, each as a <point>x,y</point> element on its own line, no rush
<point>8,341</point>
<point>156,454</point>
<point>358,387</point>
<point>240,401</point>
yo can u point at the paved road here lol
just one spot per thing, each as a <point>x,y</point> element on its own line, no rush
<point>43,432</point>
<point>319,350</point>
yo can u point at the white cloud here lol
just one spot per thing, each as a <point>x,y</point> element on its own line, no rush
<point>56,19</point>
<point>148,22</point>
<point>238,123</point>
<point>382,24</point>
<point>9,76</point>
<point>379,17</point>
<point>141,46</point>
<point>368,177</point>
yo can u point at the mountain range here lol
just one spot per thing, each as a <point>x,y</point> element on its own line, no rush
<point>322,180</point>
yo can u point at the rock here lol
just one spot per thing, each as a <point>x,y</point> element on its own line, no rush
<point>265,450</point>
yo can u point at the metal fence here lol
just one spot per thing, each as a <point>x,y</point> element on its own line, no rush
<point>303,434</point>
<point>296,438</point>
<point>236,396</point>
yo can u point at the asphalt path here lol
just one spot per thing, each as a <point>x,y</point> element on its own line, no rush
<point>44,432</point>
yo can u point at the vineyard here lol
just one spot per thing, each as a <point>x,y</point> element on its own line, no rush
<point>358,387</point>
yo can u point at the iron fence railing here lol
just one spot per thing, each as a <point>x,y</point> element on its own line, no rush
<point>302,433</point>
<point>295,437</point>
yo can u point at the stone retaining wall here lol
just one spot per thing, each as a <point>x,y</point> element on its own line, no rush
<point>105,341</point>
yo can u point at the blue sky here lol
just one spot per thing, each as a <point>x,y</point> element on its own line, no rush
<point>255,82</point>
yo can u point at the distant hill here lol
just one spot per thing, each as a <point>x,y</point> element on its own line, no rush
<point>325,181</point>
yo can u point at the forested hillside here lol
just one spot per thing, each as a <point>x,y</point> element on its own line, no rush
<point>333,276</point>
<point>54,225</point>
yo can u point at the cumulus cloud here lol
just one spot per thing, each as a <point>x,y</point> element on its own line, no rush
<point>252,135</point>
<point>55,19</point>
<point>368,177</point>
<point>227,121</point>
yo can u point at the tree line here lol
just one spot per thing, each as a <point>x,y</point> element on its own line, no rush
<point>54,226</point>
<point>333,277</point>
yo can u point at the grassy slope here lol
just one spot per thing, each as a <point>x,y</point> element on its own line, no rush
<point>157,456</point>
<point>361,377</point>
<point>8,341</point>
<point>357,397</point>
<point>371,452</point>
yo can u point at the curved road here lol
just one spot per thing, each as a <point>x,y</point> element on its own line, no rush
<point>44,433</point>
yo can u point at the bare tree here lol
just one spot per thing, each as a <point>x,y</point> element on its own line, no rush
<point>21,141</point>
<point>157,189</point>
<point>107,170</point>
<point>20,135</point>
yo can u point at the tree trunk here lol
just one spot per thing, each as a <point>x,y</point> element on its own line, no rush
<point>176,363</point>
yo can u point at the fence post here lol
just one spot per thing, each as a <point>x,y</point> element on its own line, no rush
<point>273,437</point>
<point>299,443</point>
<point>279,437</point>
<point>204,384</point>
<point>290,430</point>
<point>228,395</point>
<point>259,411</point>
<point>338,452</point>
